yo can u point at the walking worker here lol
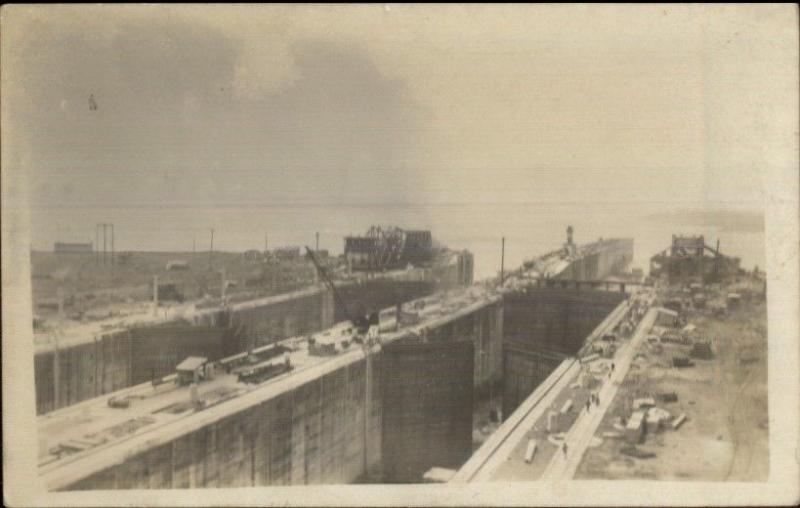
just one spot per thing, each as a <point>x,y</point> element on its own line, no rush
<point>564,449</point>
<point>588,404</point>
<point>612,366</point>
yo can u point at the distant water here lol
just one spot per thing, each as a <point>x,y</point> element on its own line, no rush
<point>529,228</point>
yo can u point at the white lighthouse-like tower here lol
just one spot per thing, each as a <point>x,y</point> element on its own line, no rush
<point>569,246</point>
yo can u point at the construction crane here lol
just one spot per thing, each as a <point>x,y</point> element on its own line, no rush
<point>360,322</point>
<point>388,246</point>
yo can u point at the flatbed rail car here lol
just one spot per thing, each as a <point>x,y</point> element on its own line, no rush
<point>263,371</point>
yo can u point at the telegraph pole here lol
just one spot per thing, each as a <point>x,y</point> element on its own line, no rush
<point>105,247</point>
<point>317,248</point>
<point>502,260</point>
<point>112,244</point>
<point>97,244</point>
<point>211,251</point>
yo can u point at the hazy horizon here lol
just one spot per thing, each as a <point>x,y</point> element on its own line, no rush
<point>240,110</point>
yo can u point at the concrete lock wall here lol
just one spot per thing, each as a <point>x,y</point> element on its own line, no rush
<point>524,371</point>
<point>313,434</point>
<point>427,406</point>
<point>317,432</point>
<point>554,318</point>
<point>133,356</point>
<point>614,256</point>
<point>70,375</point>
<point>155,351</point>
<point>542,326</point>
<point>378,294</point>
<point>484,329</point>
<point>118,360</point>
<point>259,326</point>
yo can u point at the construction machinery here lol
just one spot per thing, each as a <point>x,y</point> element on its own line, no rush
<point>389,248</point>
<point>360,321</point>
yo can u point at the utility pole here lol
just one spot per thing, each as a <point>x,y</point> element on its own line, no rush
<point>211,251</point>
<point>60,305</point>
<point>317,248</point>
<point>112,244</point>
<point>105,248</point>
<point>97,244</point>
<point>224,286</point>
<point>266,242</point>
<point>155,294</point>
<point>502,260</point>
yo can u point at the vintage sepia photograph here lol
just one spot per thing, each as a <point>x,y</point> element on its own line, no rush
<point>400,254</point>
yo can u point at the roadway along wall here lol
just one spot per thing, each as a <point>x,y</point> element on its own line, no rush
<point>313,434</point>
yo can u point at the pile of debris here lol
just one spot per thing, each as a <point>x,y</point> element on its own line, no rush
<point>645,417</point>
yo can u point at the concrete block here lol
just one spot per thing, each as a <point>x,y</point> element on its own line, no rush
<point>530,451</point>
<point>552,421</point>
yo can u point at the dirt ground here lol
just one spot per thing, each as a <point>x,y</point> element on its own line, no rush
<point>88,285</point>
<point>725,435</point>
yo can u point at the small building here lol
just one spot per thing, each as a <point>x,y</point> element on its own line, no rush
<point>287,253</point>
<point>359,252</point>
<point>177,265</point>
<point>73,248</point>
<point>191,370</point>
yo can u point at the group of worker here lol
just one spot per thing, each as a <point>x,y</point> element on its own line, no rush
<point>593,399</point>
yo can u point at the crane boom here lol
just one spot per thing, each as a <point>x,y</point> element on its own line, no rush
<point>359,322</point>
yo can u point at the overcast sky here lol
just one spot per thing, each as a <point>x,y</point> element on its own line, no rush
<point>408,104</point>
